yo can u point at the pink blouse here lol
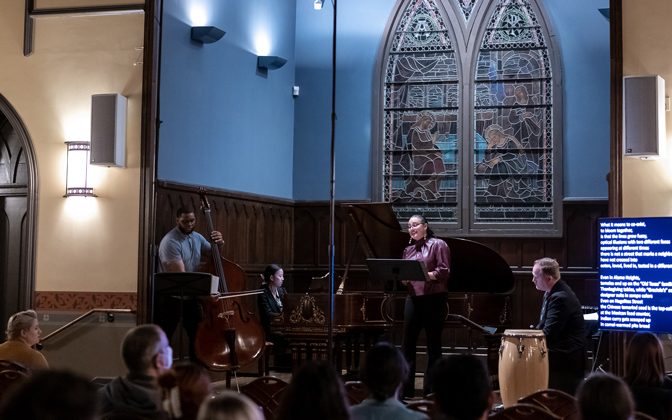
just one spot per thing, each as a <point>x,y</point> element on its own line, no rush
<point>435,253</point>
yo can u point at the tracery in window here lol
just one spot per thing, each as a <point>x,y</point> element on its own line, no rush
<point>468,137</point>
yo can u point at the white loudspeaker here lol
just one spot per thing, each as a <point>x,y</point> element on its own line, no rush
<point>644,134</point>
<point>108,130</point>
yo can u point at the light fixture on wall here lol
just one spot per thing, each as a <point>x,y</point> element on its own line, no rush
<point>76,172</point>
<point>270,62</point>
<point>206,34</point>
<point>317,4</point>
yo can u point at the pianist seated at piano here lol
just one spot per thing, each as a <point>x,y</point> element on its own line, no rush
<point>271,308</point>
<point>425,306</point>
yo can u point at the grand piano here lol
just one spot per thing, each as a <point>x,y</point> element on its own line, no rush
<point>480,288</point>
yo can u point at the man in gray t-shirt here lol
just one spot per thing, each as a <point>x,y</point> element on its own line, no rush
<point>182,250</point>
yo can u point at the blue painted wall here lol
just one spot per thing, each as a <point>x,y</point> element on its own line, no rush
<point>223,124</point>
<point>583,35</point>
<point>227,127</point>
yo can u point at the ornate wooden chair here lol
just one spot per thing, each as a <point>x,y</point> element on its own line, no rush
<point>10,378</point>
<point>356,392</point>
<point>265,392</point>
<point>423,406</point>
<point>643,416</point>
<point>522,411</point>
<point>12,365</point>
<point>555,401</point>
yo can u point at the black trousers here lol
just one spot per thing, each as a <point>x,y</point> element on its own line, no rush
<point>426,312</point>
<point>167,311</point>
<point>566,370</point>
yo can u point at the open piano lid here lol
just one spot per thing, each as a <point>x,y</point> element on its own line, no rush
<point>475,268</point>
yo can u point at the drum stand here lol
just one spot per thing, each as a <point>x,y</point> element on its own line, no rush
<point>596,352</point>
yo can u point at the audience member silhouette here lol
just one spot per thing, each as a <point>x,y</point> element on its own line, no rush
<point>604,396</point>
<point>384,372</point>
<point>23,332</point>
<point>146,354</point>
<point>645,375</point>
<point>230,405</point>
<point>462,388</point>
<point>315,392</point>
<point>51,395</point>
<point>184,387</point>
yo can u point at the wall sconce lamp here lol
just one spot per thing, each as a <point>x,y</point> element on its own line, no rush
<point>317,5</point>
<point>76,172</point>
<point>270,62</point>
<point>206,34</point>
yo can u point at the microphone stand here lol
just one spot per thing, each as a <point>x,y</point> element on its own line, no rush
<point>332,193</point>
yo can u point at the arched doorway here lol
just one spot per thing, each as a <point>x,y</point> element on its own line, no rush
<point>18,187</point>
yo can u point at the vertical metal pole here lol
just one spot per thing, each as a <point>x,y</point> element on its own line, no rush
<point>332,195</point>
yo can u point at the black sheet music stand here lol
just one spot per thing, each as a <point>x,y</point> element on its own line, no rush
<point>182,286</point>
<point>390,272</point>
<point>185,284</point>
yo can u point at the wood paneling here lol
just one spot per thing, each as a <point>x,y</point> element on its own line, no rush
<point>261,230</point>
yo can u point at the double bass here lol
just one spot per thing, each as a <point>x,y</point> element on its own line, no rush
<point>229,336</point>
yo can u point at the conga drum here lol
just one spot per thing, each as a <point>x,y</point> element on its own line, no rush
<point>523,364</point>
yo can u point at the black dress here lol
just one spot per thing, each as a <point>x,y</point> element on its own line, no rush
<point>270,308</point>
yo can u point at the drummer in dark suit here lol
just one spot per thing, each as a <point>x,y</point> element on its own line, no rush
<point>561,320</point>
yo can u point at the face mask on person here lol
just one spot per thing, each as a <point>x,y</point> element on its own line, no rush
<point>167,357</point>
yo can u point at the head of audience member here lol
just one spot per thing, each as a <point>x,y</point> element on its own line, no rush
<point>230,405</point>
<point>604,396</point>
<point>315,392</point>
<point>23,326</point>
<point>273,275</point>
<point>184,387</point>
<point>384,371</point>
<point>51,395</point>
<point>146,351</point>
<point>462,388</point>
<point>545,273</point>
<point>645,361</point>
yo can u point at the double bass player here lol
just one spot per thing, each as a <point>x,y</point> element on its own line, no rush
<point>183,250</point>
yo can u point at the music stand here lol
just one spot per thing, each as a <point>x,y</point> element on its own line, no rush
<point>183,285</point>
<point>391,271</point>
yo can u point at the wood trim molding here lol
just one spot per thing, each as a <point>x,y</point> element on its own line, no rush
<point>84,301</point>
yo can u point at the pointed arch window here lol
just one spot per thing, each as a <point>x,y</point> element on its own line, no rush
<point>467,134</point>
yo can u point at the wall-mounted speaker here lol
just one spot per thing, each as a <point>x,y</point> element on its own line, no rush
<point>108,130</point>
<point>644,134</point>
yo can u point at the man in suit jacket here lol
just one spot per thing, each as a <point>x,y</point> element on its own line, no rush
<point>561,319</point>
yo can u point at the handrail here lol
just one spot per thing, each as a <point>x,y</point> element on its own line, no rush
<point>79,318</point>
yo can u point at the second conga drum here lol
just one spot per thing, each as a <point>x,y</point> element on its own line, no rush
<point>523,364</point>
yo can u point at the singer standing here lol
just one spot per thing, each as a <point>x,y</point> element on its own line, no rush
<point>425,306</point>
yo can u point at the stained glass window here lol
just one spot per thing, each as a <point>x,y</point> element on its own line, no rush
<point>422,98</point>
<point>467,133</point>
<point>513,147</point>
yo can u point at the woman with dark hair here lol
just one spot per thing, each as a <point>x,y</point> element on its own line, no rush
<point>270,307</point>
<point>645,374</point>
<point>184,387</point>
<point>425,305</point>
<point>604,396</point>
<point>23,333</point>
<point>270,302</point>
<point>51,395</point>
<point>315,392</point>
